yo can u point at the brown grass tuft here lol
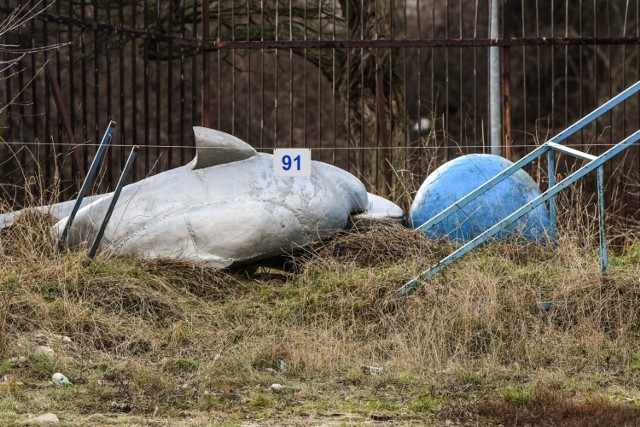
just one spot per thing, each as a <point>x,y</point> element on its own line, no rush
<point>550,408</point>
<point>370,244</point>
<point>28,237</point>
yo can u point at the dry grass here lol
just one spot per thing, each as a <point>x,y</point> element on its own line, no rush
<point>139,329</point>
<point>549,408</point>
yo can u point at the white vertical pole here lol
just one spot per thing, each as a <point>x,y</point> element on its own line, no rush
<point>495,83</point>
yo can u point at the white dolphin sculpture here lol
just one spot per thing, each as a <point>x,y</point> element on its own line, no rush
<point>225,207</point>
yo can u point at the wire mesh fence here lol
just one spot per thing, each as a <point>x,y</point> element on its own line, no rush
<point>387,89</point>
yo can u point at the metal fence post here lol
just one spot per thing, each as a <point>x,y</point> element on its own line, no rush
<point>604,263</point>
<point>495,98</point>
<point>93,170</point>
<point>114,200</point>
<point>551,172</point>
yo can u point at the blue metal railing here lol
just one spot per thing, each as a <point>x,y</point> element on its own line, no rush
<point>549,148</point>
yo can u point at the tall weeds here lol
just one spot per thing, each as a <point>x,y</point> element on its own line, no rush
<point>484,311</point>
<point>330,317</point>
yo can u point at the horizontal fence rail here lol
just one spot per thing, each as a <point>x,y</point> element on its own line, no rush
<point>386,90</point>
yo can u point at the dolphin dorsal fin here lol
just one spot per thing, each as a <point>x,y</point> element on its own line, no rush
<point>217,148</point>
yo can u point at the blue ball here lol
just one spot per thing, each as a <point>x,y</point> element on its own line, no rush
<point>455,179</point>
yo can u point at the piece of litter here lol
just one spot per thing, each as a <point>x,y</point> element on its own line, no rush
<point>371,370</point>
<point>60,379</point>
<point>277,387</point>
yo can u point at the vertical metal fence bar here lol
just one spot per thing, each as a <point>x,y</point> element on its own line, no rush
<point>375,145</point>
<point>392,122</point>
<point>183,95</point>
<point>624,67</point>
<point>362,152</point>
<point>319,127</point>
<point>461,104</point>
<point>206,79</point>
<point>610,166</point>
<point>291,82</point>
<point>160,158</point>
<point>419,89</point>
<point>405,92</point>
<point>49,176</point>
<point>24,166</point>
<point>146,89</point>
<point>506,102</point>
<point>432,51</point>
<point>72,100</point>
<point>262,71</point>
<point>53,141</point>
<point>475,83</point>
<point>249,55</point>
<point>447,105</point>
<point>383,136</point>
<point>637,77</point>
<point>110,161</point>
<point>195,111</point>
<point>134,86</point>
<point>218,73</point>
<point>219,36</point>
<point>525,121</point>
<point>8,165</point>
<point>306,74</point>
<point>122,119</point>
<point>276,79</point>
<point>610,82</point>
<point>595,65</point>
<point>34,105</point>
<point>233,70</point>
<point>84,89</point>
<point>581,74</point>
<point>333,87</point>
<point>169,92</point>
<point>566,66</point>
<point>628,197</point>
<point>50,166</point>
<point>351,161</point>
<point>538,71</point>
<point>96,73</point>
<point>388,110</point>
<point>552,80</point>
<point>58,138</point>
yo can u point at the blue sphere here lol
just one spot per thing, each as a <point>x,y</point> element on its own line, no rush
<point>457,178</point>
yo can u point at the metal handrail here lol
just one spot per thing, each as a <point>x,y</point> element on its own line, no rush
<point>595,163</point>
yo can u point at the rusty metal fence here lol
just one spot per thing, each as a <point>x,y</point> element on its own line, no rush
<point>387,89</point>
